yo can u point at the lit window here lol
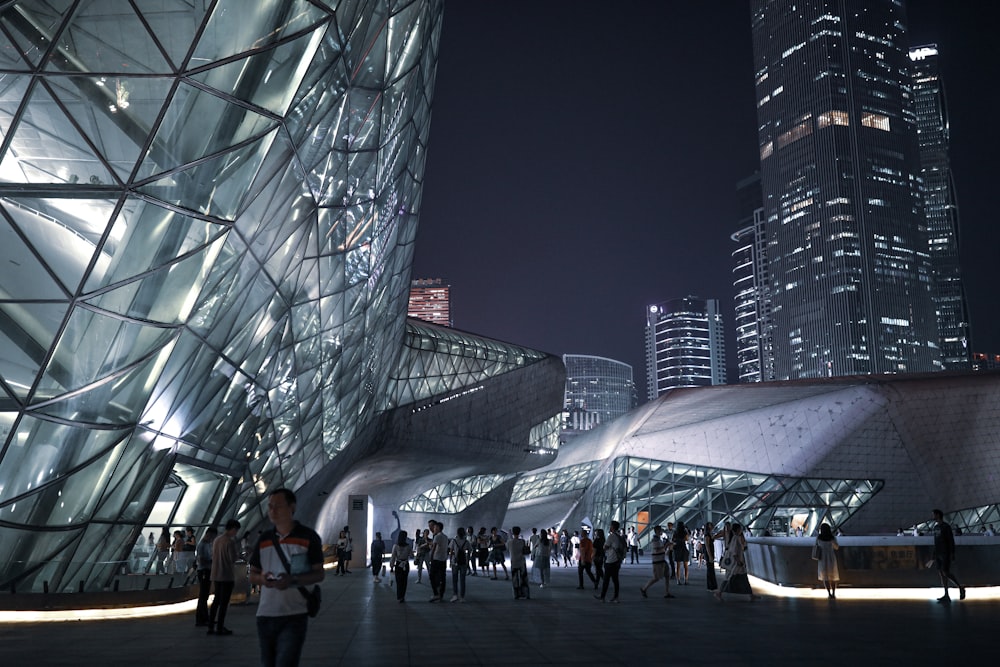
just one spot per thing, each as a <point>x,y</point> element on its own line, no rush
<point>875,121</point>
<point>766,150</point>
<point>828,118</point>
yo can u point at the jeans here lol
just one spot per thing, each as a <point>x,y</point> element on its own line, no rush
<point>281,639</point>
<point>204,588</point>
<point>438,576</point>
<point>585,567</point>
<point>610,575</point>
<point>220,605</point>
<point>458,581</point>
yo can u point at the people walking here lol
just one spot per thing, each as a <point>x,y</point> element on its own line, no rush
<point>944,555</point>
<point>614,555</point>
<point>518,566</point>
<point>585,559</point>
<point>825,553</point>
<point>658,548</point>
<point>599,542</point>
<point>378,555</point>
<point>459,550</point>
<point>438,567</point>
<point>497,548</point>
<point>540,559</point>
<point>399,562</point>
<point>734,560</point>
<point>203,554</point>
<point>224,555</point>
<point>286,560</point>
<point>682,555</point>
<point>709,547</point>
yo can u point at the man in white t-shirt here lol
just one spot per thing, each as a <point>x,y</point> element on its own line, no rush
<point>438,570</point>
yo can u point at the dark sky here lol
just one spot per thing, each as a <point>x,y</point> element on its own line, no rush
<point>584,155</point>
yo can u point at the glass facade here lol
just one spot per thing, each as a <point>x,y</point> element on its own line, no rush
<point>685,345</point>
<point>650,492</point>
<point>752,303</point>
<point>847,247</point>
<point>430,300</point>
<point>208,213</point>
<point>940,208</point>
<point>598,386</point>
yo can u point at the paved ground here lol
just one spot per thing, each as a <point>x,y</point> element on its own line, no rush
<point>361,625</point>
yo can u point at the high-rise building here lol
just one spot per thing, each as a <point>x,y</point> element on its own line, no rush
<point>752,303</point>
<point>846,241</point>
<point>430,301</point>
<point>940,208</point>
<point>685,345</point>
<point>598,390</point>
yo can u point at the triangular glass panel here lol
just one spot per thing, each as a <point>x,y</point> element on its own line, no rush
<point>77,362</point>
<point>217,186</point>
<point>47,148</point>
<point>22,275</point>
<point>269,79</point>
<point>174,24</point>
<point>228,33</point>
<point>128,391</point>
<point>165,295</point>
<point>145,236</point>
<point>115,113</point>
<point>197,124</point>
<point>33,25</point>
<point>107,38</point>
<point>12,91</point>
<point>11,58</point>
<point>27,331</point>
<point>64,232</point>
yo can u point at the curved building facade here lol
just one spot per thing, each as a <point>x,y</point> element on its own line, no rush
<point>208,213</point>
<point>598,386</point>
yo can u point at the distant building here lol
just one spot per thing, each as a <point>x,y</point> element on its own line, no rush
<point>940,208</point>
<point>985,362</point>
<point>430,301</point>
<point>752,303</point>
<point>685,345</point>
<point>598,390</point>
<point>840,170</point>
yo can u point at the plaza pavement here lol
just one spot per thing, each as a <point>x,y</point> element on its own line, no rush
<point>362,625</point>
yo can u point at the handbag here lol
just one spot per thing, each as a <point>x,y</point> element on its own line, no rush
<point>314,598</point>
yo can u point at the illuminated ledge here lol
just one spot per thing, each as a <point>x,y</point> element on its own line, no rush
<point>187,606</point>
<point>761,587</point>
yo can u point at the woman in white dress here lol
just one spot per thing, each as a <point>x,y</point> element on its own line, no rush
<point>825,553</point>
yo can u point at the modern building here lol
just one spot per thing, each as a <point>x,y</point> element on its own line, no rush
<point>598,390</point>
<point>208,219</point>
<point>752,302</point>
<point>685,345</point>
<point>867,454</point>
<point>840,168</point>
<point>940,208</point>
<point>430,301</point>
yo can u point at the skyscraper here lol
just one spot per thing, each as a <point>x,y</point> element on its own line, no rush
<point>846,241</point>
<point>685,345</point>
<point>430,300</point>
<point>940,208</point>
<point>598,390</point>
<point>752,303</point>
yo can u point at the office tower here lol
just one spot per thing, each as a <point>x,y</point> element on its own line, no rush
<point>598,390</point>
<point>430,301</point>
<point>940,208</point>
<point>846,242</point>
<point>685,345</point>
<point>752,302</point>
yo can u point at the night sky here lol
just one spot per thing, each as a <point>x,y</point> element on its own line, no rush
<point>584,157</point>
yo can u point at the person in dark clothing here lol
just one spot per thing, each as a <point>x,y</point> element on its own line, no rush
<point>204,558</point>
<point>944,555</point>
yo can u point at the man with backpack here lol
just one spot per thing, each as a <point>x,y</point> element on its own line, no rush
<point>459,550</point>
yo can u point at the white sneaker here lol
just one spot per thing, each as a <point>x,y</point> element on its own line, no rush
<point>454,598</point>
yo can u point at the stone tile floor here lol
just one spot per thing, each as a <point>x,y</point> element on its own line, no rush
<point>362,625</point>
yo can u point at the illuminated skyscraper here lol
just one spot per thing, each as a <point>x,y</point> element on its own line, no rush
<point>685,345</point>
<point>752,303</point>
<point>940,208</point>
<point>430,301</point>
<point>846,240</point>
<point>598,390</point>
